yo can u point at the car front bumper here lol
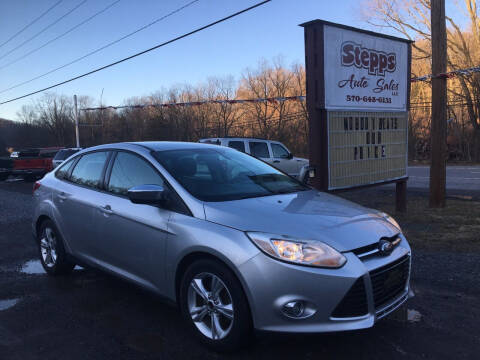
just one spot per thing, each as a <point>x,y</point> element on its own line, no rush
<point>270,284</point>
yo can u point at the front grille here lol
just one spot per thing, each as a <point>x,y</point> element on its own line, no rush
<point>354,302</point>
<point>389,281</point>
<point>373,249</point>
<point>366,250</point>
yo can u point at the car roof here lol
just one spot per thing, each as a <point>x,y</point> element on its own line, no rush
<point>235,138</point>
<point>68,149</point>
<point>153,145</point>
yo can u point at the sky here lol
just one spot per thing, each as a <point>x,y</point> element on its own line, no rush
<point>225,49</point>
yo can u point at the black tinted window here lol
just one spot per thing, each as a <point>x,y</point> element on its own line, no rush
<point>237,145</point>
<point>48,154</point>
<point>259,149</point>
<point>64,154</point>
<point>63,171</point>
<point>130,170</point>
<point>29,153</point>
<point>89,168</point>
<point>279,151</point>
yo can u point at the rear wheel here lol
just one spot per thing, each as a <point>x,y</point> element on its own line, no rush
<point>214,305</point>
<point>52,252</point>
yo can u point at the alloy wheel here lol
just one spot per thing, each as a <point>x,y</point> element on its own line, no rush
<point>48,247</point>
<point>210,306</point>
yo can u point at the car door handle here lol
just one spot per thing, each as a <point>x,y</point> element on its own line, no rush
<point>62,196</point>
<point>107,209</point>
<point>276,161</point>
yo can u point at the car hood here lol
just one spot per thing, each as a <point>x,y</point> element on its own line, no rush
<point>308,215</point>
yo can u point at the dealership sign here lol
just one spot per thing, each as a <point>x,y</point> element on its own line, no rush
<point>357,98</point>
<point>364,71</point>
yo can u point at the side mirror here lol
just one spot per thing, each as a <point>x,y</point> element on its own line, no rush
<point>147,194</point>
<point>290,156</point>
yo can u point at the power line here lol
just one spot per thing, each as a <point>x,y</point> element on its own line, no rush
<point>99,49</point>
<point>139,53</point>
<point>30,23</point>
<point>204,102</point>
<point>44,29</point>
<point>448,105</point>
<point>61,35</point>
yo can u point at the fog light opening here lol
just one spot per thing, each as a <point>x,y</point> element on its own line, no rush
<point>294,309</point>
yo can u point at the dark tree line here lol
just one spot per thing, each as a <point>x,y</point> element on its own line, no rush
<point>50,121</point>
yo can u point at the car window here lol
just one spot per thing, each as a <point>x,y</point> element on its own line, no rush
<point>48,154</point>
<point>29,153</point>
<point>89,168</point>
<point>130,170</point>
<point>237,145</point>
<point>63,154</point>
<point>259,149</point>
<point>224,174</point>
<point>60,155</point>
<point>64,170</point>
<point>279,151</point>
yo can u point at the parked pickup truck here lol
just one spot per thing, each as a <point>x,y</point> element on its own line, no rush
<point>30,164</point>
<point>272,152</point>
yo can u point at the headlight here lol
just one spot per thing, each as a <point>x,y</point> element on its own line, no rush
<point>391,220</point>
<point>303,252</point>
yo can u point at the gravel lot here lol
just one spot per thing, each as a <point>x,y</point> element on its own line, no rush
<point>90,315</point>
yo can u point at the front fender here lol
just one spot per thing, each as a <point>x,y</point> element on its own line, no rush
<point>188,235</point>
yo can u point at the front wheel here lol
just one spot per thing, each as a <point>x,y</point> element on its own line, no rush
<point>52,252</point>
<point>214,305</point>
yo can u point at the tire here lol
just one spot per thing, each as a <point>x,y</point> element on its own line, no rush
<point>231,334</point>
<point>51,250</point>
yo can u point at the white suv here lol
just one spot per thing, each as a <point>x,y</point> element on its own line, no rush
<point>272,152</point>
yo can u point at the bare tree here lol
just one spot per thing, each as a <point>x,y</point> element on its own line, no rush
<point>411,18</point>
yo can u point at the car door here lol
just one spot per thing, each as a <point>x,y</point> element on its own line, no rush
<point>131,236</point>
<point>76,200</point>
<point>283,160</point>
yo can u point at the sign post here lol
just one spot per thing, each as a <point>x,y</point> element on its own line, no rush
<point>358,90</point>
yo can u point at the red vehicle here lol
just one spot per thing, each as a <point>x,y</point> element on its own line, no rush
<point>30,164</point>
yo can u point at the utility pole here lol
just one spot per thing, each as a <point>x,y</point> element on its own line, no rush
<point>438,130</point>
<point>77,134</point>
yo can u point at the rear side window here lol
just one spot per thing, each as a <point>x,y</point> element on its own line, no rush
<point>279,151</point>
<point>237,145</point>
<point>64,170</point>
<point>89,169</point>
<point>130,170</point>
<point>259,149</point>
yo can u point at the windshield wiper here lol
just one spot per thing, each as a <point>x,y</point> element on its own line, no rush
<point>288,191</point>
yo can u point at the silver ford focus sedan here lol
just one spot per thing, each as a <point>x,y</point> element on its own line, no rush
<point>236,243</point>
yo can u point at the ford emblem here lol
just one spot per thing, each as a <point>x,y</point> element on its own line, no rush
<point>385,247</point>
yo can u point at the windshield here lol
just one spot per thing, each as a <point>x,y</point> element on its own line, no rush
<point>225,174</point>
